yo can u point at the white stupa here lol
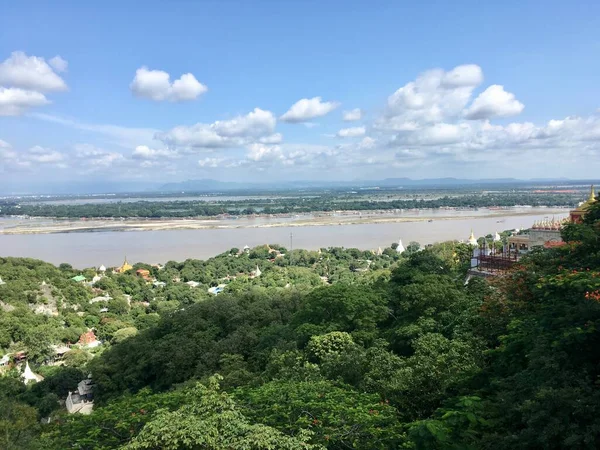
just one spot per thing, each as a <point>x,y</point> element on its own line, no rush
<point>379,251</point>
<point>497,237</point>
<point>400,248</point>
<point>1,282</point>
<point>472,241</point>
<point>102,268</point>
<point>257,272</point>
<point>28,375</point>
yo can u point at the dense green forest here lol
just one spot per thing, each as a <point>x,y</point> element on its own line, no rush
<point>286,205</point>
<point>343,349</point>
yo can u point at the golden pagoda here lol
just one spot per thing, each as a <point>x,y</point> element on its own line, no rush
<point>125,267</point>
<point>576,215</point>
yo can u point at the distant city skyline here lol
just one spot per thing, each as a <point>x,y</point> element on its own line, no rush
<point>267,91</point>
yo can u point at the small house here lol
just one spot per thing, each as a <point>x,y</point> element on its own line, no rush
<point>88,339</point>
<point>82,400</point>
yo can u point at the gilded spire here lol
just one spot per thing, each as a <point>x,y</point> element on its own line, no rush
<point>472,241</point>
<point>592,198</point>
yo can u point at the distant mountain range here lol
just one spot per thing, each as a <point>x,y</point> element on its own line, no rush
<point>206,185</point>
<point>214,186</point>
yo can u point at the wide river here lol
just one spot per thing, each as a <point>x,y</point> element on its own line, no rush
<point>110,247</point>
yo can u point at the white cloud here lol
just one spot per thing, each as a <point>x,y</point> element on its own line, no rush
<point>256,123</point>
<point>351,132</point>
<point>261,152</point>
<point>4,144</point>
<point>156,85</point>
<point>44,155</point>
<point>494,102</point>
<point>59,64</point>
<point>93,158</point>
<point>239,131</point>
<point>210,162</point>
<point>352,115</point>
<point>30,72</point>
<point>15,101</point>
<point>306,109</point>
<point>145,152</point>
<point>435,96</point>
<point>200,135</point>
<point>467,75</point>
<point>438,134</point>
<point>367,143</point>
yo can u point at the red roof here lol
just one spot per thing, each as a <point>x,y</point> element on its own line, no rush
<point>553,244</point>
<point>87,338</point>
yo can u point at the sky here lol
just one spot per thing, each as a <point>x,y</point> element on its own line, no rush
<point>120,92</point>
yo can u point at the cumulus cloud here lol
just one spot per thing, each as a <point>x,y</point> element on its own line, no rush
<point>44,155</point>
<point>236,132</point>
<point>435,96</point>
<point>351,132</point>
<point>262,152</point>
<point>200,135</point>
<point>156,85</point>
<point>352,115</point>
<point>494,102</point>
<point>30,72</point>
<point>145,152</point>
<point>15,101</point>
<point>306,109</point>
<point>463,76</point>
<point>4,144</point>
<point>256,123</point>
<point>24,80</point>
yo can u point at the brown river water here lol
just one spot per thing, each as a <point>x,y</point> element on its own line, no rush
<point>110,247</point>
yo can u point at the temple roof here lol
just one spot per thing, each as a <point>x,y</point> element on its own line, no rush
<point>125,267</point>
<point>472,240</point>
<point>400,248</point>
<point>28,375</point>
<point>589,202</point>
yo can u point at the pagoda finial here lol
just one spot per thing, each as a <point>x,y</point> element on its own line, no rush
<point>592,195</point>
<point>472,241</point>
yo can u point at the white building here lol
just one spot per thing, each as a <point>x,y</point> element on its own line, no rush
<point>101,299</point>
<point>29,377</point>
<point>400,249</point>
<point>1,282</point>
<point>81,401</point>
<point>497,237</point>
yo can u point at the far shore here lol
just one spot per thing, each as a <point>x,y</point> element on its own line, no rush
<point>49,225</point>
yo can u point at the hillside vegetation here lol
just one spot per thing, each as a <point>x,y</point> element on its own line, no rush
<point>344,349</point>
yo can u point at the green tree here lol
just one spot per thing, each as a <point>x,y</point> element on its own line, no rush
<point>339,417</point>
<point>213,422</point>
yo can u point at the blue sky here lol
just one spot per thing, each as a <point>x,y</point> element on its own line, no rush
<point>443,88</point>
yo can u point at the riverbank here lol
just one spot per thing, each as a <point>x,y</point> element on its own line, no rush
<point>14,226</point>
<point>110,248</point>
